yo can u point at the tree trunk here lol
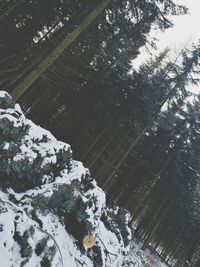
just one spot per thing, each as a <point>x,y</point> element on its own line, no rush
<point>50,59</point>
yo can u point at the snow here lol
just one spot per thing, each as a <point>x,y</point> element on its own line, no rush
<point>68,254</point>
<point>6,146</point>
<point>32,230</point>
<point>3,94</point>
<point>143,258</point>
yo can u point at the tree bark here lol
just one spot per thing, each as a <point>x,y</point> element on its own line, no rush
<point>50,59</point>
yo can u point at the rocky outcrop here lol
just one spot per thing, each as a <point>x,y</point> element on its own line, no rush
<point>49,202</point>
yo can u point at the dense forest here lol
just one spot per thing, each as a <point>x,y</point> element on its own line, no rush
<point>70,65</point>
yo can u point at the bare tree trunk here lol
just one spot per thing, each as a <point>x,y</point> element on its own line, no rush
<point>145,129</point>
<point>50,59</point>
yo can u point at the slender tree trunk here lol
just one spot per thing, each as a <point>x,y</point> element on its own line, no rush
<point>172,154</point>
<point>95,141</point>
<point>157,214</point>
<point>99,153</point>
<point>136,211</point>
<point>144,130</point>
<point>150,235</point>
<point>50,59</point>
<point>174,242</point>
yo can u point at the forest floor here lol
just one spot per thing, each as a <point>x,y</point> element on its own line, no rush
<point>143,257</point>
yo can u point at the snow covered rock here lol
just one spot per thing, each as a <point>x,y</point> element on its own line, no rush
<point>30,156</point>
<point>49,202</point>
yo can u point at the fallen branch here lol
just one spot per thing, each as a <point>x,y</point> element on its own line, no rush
<point>107,249</point>
<point>54,242</point>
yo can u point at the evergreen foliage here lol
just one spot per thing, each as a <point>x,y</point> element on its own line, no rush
<point>137,130</point>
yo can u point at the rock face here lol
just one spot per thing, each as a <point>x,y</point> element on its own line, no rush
<point>49,202</point>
